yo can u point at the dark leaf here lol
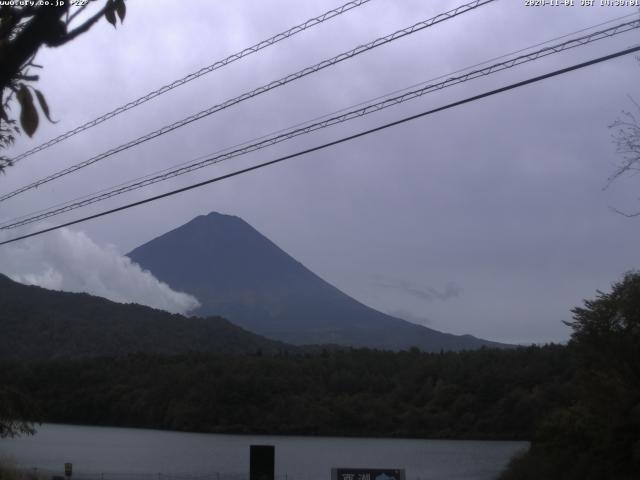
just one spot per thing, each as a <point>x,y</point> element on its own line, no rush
<point>121,9</point>
<point>28,112</point>
<point>43,105</point>
<point>110,14</point>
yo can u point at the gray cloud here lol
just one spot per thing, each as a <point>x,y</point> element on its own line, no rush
<point>70,261</point>
<point>450,290</point>
<point>410,317</point>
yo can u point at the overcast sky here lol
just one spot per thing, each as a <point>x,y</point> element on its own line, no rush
<point>491,218</point>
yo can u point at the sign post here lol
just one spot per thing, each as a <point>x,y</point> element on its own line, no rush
<point>262,462</point>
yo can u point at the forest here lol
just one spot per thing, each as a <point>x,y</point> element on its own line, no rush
<point>578,404</point>
<point>476,394</point>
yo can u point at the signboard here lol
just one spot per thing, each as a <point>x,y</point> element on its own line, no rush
<point>367,474</point>
<point>68,467</point>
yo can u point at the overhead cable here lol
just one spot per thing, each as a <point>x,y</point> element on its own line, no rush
<point>253,93</point>
<point>332,143</point>
<point>312,22</point>
<point>308,128</point>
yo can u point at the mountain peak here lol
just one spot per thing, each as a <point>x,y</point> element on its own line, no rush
<point>217,216</point>
<point>236,272</point>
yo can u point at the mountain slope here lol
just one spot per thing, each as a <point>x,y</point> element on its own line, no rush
<point>39,324</point>
<point>236,272</point>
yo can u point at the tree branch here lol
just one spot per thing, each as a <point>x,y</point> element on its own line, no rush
<point>82,28</point>
<point>28,78</point>
<point>76,13</point>
<point>39,30</point>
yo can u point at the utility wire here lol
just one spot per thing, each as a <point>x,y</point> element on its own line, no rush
<point>265,88</point>
<point>312,22</point>
<point>308,128</point>
<point>327,115</point>
<point>335,142</point>
<point>530,47</point>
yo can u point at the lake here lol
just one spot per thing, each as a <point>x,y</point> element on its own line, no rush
<point>121,453</point>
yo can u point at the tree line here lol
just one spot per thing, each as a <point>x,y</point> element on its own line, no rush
<point>490,394</point>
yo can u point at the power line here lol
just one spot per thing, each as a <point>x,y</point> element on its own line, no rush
<point>263,89</point>
<point>312,22</point>
<point>530,47</point>
<point>327,115</point>
<point>334,142</point>
<point>311,127</point>
<point>168,173</point>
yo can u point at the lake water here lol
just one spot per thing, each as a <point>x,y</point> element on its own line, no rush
<point>136,453</point>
